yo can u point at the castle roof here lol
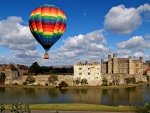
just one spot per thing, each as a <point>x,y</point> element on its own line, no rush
<point>22,67</point>
<point>148,69</point>
<point>7,66</point>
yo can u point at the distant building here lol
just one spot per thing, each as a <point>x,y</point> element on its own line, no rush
<point>122,65</point>
<point>90,71</point>
<point>13,71</point>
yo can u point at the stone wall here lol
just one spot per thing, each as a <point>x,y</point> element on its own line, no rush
<point>43,79</point>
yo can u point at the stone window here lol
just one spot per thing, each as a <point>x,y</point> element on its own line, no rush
<point>97,68</point>
<point>88,73</point>
<point>88,68</point>
<point>136,65</point>
<point>80,73</point>
<point>80,68</point>
<point>97,73</point>
<point>136,70</point>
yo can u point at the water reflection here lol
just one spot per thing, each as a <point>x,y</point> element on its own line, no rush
<point>130,96</point>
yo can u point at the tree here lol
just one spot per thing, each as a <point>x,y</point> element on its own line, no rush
<point>35,68</point>
<point>105,81</point>
<point>63,70</point>
<point>76,80</point>
<point>2,77</point>
<point>52,79</point>
<point>63,84</point>
<point>84,81</point>
<point>30,79</point>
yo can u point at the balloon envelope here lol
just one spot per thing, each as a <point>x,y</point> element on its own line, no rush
<point>47,23</point>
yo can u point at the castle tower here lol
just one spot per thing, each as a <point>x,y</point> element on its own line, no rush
<point>109,64</point>
<point>102,60</point>
<point>114,65</point>
<point>130,65</point>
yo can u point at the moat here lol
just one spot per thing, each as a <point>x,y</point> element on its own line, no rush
<point>133,96</point>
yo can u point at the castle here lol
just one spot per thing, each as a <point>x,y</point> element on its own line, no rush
<point>122,65</point>
<point>115,69</point>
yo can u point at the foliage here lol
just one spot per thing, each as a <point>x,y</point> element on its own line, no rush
<point>2,77</point>
<point>30,79</point>
<point>63,84</point>
<point>148,78</point>
<point>25,83</point>
<point>130,80</point>
<point>35,68</point>
<point>2,108</point>
<point>77,80</point>
<point>84,81</point>
<point>52,79</point>
<point>104,81</point>
<point>147,106</point>
<point>18,108</point>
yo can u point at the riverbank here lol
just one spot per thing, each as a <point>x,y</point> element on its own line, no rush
<point>77,87</point>
<point>107,87</point>
<point>84,107</point>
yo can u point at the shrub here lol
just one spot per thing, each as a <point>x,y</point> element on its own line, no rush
<point>52,79</point>
<point>24,83</point>
<point>76,80</point>
<point>84,81</point>
<point>148,78</point>
<point>2,108</point>
<point>147,106</point>
<point>30,79</point>
<point>104,81</point>
<point>63,84</point>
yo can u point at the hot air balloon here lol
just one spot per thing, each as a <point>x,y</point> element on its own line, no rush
<point>47,24</point>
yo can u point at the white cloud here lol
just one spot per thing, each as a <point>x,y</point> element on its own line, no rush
<point>123,52</point>
<point>147,36</point>
<point>18,39</point>
<point>80,48</point>
<point>123,20</point>
<point>135,44</point>
<point>138,54</point>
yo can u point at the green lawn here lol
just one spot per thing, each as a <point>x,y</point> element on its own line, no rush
<point>83,107</point>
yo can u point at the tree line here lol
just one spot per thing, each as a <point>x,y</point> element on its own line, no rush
<point>35,68</point>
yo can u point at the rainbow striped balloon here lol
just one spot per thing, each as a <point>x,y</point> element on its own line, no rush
<point>47,23</point>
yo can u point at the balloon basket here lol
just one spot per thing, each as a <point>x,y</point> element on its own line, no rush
<point>46,56</point>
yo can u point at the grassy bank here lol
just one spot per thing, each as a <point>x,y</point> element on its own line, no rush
<point>77,87</point>
<point>26,86</point>
<point>106,87</point>
<point>84,107</point>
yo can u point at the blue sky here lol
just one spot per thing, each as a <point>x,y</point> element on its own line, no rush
<point>95,28</point>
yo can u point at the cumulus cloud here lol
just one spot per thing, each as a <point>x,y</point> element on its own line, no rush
<point>124,20</point>
<point>123,52</point>
<point>135,45</point>
<point>80,48</point>
<point>147,36</point>
<point>18,39</point>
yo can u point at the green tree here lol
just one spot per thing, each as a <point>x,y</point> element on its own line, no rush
<point>76,81</point>
<point>105,81</point>
<point>84,81</point>
<point>2,77</point>
<point>52,79</point>
<point>30,79</point>
<point>148,78</point>
<point>63,70</point>
<point>35,68</point>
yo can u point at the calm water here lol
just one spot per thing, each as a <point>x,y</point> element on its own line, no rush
<point>130,96</point>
